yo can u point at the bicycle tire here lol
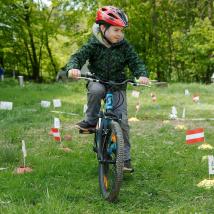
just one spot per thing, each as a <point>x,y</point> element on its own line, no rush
<point>111,174</point>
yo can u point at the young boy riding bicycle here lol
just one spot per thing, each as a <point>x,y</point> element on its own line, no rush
<point>108,54</point>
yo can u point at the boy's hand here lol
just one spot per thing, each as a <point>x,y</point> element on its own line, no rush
<point>74,73</point>
<point>144,80</point>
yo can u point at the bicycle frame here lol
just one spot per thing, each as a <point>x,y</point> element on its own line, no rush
<point>105,119</point>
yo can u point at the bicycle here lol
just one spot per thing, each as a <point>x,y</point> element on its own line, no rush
<point>108,142</point>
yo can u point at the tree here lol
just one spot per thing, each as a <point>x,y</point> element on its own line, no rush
<point>195,53</point>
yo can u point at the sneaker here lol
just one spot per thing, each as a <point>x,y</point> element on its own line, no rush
<point>84,125</point>
<point>127,166</point>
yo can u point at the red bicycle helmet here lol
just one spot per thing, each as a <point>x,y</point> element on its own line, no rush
<point>111,15</point>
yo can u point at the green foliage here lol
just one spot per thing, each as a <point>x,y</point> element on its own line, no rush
<point>174,38</point>
<point>195,52</point>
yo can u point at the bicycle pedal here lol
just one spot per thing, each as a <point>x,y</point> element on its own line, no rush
<point>87,131</point>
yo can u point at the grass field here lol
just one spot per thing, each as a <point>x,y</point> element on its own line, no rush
<point>167,170</point>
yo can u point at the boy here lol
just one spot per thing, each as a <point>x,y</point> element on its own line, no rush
<point>108,54</point>
<point>1,73</point>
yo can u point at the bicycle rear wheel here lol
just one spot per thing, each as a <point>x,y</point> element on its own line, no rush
<point>111,162</point>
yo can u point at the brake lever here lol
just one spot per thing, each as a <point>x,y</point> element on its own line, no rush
<point>139,84</point>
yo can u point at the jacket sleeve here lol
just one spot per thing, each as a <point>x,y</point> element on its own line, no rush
<point>135,64</point>
<point>78,59</point>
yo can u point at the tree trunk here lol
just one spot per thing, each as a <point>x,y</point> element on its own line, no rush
<point>159,72</point>
<point>34,60</point>
<point>210,11</point>
<point>50,53</point>
<point>2,58</point>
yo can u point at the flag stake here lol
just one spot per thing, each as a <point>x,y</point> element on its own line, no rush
<point>137,108</point>
<point>24,151</point>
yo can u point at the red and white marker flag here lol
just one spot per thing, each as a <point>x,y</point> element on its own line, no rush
<point>196,98</point>
<point>195,136</point>
<point>56,134</point>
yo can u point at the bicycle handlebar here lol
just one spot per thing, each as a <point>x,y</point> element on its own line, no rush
<point>93,78</point>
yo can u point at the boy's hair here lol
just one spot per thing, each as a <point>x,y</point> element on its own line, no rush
<point>109,15</point>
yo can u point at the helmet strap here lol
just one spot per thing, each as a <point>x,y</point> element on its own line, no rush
<point>107,26</point>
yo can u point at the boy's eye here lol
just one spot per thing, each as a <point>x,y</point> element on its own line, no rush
<point>119,30</point>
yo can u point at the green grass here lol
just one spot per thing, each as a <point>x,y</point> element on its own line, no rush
<point>167,170</point>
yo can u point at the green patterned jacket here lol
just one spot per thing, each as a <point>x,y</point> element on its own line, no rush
<point>108,63</point>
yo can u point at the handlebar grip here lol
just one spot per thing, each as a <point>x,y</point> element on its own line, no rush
<point>87,75</point>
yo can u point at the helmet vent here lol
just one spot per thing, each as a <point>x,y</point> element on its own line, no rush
<point>112,15</point>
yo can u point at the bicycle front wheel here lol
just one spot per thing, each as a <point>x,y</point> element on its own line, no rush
<point>111,162</point>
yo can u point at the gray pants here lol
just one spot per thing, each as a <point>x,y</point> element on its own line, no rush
<point>96,92</point>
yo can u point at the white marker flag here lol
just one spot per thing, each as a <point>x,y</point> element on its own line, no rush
<point>45,104</point>
<point>184,113</point>
<point>6,105</point>
<point>56,123</point>
<point>24,151</point>
<point>57,103</point>
<point>85,107</point>
<point>211,164</point>
<point>135,94</point>
<point>173,115</point>
<point>186,92</point>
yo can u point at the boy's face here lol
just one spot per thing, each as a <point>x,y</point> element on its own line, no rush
<point>114,33</point>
